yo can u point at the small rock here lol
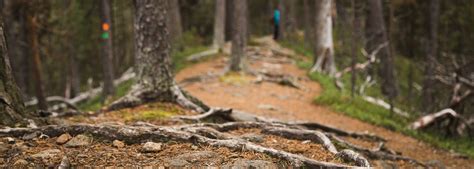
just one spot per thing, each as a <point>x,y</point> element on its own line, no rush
<point>82,156</point>
<point>151,147</point>
<point>194,147</point>
<point>50,153</point>
<point>177,163</point>
<point>244,163</point>
<point>65,164</point>
<point>252,137</point>
<point>31,136</point>
<point>63,138</point>
<point>197,156</point>
<point>118,144</point>
<point>79,141</point>
<point>20,162</point>
<point>306,142</point>
<point>10,140</point>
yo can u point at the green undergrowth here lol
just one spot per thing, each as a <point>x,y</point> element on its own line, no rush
<point>147,115</point>
<point>188,45</point>
<point>341,101</point>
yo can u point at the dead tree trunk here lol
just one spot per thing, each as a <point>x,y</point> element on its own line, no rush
<point>219,24</point>
<point>12,110</point>
<point>324,47</point>
<point>38,74</point>
<point>174,20</point>
<point>378,35</point>
<point>428,82</point>
<point>237,61</point>
<point>355,27</point>
<point>153,64</point>
<point>107,50</point>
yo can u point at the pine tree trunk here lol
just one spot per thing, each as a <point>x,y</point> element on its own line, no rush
<point>237,61</point>
<point>428,83</point>
<point>37,68</point>
<point>153,62</point>
<point>107,50</point>
<point>288,20</point>
<point>308,25</point>
<point>15,23</point>
<point>377,36</point>
<point>219,24</point>
<point>12,110</point>
<point>324,47</point>
<point>174,20</point>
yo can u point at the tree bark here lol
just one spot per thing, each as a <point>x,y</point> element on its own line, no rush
<point>12,110</point>
<point>237,61</point>
<point>107,49</point>
<point>428,82</point>
<point>16,36</point>
<point>324,47</point>
<point>288,20</point>
<point>37,68</point>
<point>174,20</point>
<point>153,64</point>
<point>308,25</point>
<point>378,35</point>
<point>219,24</point>
<point>355,27</point>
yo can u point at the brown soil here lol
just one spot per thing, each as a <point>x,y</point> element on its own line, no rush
<point>291,104</point>
<point>101,154</point>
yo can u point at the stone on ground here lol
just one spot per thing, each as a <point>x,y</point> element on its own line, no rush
<point>151,147</point>
<point>63,138</point>
<point>47,154</point>
<point>118,144</point>
<point>79,141</point>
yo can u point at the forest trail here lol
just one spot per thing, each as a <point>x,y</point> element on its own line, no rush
<point>271,100</point>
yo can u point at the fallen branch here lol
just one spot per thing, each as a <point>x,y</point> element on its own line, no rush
<point>429,119</point>
<point>200,55</point>
<point>281,79</point>
<point>385,105</point>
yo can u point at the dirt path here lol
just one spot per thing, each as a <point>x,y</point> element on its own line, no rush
<point>290,104</point>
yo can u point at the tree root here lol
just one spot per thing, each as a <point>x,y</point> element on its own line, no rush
<point>281,79</point>
<point>380,153</point>
<point>132,135</point>
<point>175,94</point>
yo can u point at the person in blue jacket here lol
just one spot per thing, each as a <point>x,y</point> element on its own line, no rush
<point>276,23</point>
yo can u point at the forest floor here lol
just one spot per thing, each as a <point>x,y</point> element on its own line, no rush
<point>242,91</point>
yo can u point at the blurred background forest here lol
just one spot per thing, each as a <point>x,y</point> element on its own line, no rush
<point>430,41</point>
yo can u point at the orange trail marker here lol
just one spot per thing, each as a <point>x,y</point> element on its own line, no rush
<point>105,26</point>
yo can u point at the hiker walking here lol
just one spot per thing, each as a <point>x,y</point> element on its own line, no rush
<point>276,23</point>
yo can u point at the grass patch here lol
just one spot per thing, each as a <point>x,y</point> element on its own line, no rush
<point>147,115</point>
<point>341,101</point>
<point>235,78</point>
<point>358,108</point>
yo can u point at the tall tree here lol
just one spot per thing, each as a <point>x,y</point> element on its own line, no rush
<point>219,24</point>
<point>428,82</point>
<point>174,20</point>
<point>288,18</point>
<point>35,52</point>
<point>12,110</point>
<point>153,62</point>
<point>377,35</point>
<point>324,47</point>
<point>107,50</point>
<point>16,36</point>
<point>308,24</point>
<point>239,37</point>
